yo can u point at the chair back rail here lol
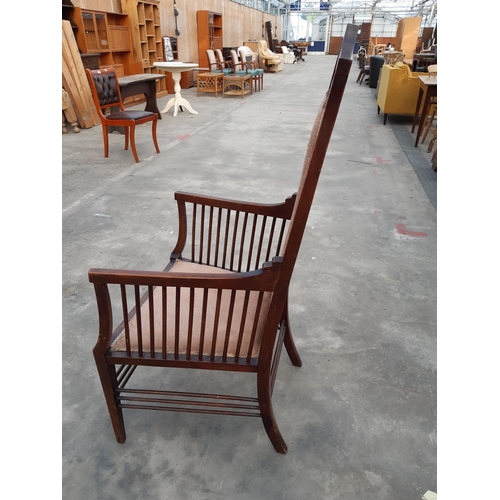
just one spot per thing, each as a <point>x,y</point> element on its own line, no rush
<point>236,238</point>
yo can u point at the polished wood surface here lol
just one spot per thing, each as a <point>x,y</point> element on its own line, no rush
<point>428,88</point>
<point>143,83</point>
<point>236,250</point>
<point>107,98</point>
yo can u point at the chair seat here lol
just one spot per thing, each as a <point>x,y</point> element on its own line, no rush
<point>226,71</point>
<point>250,72</point>
<point>188,267</point>
<point>129,115</point>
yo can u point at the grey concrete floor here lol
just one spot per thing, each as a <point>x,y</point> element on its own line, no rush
<point>359,416</point>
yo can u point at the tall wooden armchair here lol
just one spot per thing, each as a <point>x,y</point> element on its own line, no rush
<point>222,301</point>
<point>106,95</point>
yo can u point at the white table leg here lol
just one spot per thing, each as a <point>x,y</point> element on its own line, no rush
<point>178,100</point>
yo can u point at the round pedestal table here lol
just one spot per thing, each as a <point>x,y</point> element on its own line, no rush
<point>176,68</point>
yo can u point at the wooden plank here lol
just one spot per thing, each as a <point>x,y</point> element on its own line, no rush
<point>74,92</point>
<point>69,85</point>
<point>80,76</point>
<point>71,81</point>
<point>75,80</point>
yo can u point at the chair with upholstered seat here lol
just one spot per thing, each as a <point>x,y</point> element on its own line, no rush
<point>107,97</point>
<point>289,55</point>
<point>242,67</point>
<point>271,62</point>
<point>398,90</point>
<point>222,301</point>
<point>393,57</point>
<point>216,66</point>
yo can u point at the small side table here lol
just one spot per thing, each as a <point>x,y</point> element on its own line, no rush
<point>237,85</point>
<point>177,68</point>
<point>428,88</point>
<point>209,82</point>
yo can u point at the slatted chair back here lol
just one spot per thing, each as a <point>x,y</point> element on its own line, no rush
<point>222,301</point>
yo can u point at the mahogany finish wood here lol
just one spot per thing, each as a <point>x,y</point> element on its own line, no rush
<point>241,257</point>
<point>106,95</point>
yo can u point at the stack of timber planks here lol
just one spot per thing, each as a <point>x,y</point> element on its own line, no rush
<point>75,81</point>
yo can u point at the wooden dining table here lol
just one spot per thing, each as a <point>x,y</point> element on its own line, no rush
<point>428,88</point>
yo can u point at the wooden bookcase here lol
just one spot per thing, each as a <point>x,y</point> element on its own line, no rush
<point>209,34</point>
<point>107,35</point>
<point>147,41</point>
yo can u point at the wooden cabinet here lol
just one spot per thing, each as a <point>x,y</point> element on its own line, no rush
<point>90,61</point>
<point>147,42</point>
<point>406,39</point>
<point>209,34</point>
<point>106,35</point>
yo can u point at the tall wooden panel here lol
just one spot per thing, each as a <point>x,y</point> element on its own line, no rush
<point>407,36</point>
<point>209,34</point>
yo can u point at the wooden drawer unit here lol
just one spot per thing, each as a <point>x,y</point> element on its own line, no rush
<point>90,61</point>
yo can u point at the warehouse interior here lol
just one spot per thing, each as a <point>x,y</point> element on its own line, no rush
<point>385,404</point>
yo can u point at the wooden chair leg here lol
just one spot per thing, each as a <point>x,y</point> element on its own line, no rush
<point>266,412</point>
<point>432,141</point>
<point>132,143</point>
<point>385,118</point>
<point>105,138</point>
<point>107,374</point>
<point>428,125</point>
<point>288,339</point>
<point>125,133</point>
<point>153,131</point>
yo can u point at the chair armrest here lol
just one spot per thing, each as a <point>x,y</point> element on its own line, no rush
<point>224,233</point>
<point>117,289</point>
<point>225,64</point>
<point>262,279</point>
